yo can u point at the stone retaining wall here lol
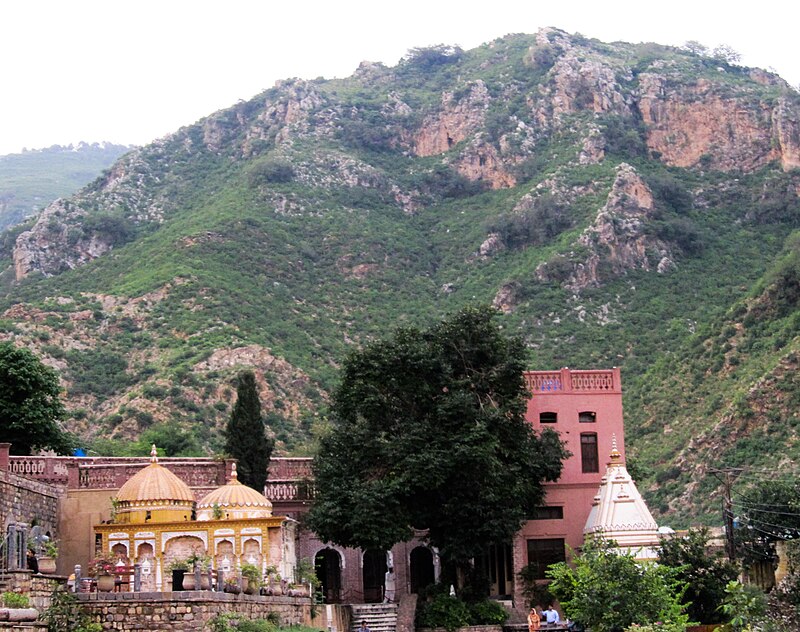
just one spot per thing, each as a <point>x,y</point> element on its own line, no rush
<point>25,500</point>
<point>182,611</point>
<point>38,588</point>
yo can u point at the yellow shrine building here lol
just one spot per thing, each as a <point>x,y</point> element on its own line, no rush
<point>158,522</point>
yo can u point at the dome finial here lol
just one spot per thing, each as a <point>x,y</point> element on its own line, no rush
<point>616,457</point>
<point>234,475</point>
<point>153,454</point>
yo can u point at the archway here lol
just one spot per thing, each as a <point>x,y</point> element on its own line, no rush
<point>374,573</point>
<point>422,571</point>
<point>328,566</point>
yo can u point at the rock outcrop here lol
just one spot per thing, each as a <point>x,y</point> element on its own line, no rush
<point>616,241</point>
<point>706,124</point>
<point>456,121</point>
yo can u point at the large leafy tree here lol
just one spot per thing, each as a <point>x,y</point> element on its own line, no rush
<point>31,410</point>
<point>245,435</point>
<point>767,512</point>
<point>428,432</point>
<point>609,591</point>
<point>706,574</point>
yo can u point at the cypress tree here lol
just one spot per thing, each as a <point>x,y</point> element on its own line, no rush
<point>245,435</point>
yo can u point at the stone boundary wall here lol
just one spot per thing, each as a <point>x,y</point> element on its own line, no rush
<point>38,588</point>
<point>177,612</point>
<point>23,499</point>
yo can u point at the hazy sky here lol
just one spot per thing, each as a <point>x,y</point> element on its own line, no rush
<point>131,71</point>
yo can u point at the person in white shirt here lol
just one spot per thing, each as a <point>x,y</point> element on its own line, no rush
<point>551,615</point>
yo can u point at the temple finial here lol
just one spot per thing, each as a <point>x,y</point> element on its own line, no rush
<point>616,457</point>
<point>153,454</point>
<point>234,475</point>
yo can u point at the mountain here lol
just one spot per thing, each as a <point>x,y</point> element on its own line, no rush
<point>628,205</point>
<point>29,181</point>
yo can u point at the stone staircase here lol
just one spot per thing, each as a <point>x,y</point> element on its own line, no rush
<point>380,617</point>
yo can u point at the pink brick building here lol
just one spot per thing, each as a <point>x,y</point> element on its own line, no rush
<point>585,408</point>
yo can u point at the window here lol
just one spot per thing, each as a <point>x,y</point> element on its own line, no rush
<point>548,418</point>
<point>547,513</point>
<point>587,417</point>
<point>543,553</point>
<point>589,461</point>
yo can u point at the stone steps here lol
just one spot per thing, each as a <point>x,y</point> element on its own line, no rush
<point>380,617</point>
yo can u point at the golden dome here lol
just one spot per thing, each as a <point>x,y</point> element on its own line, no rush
<point>154,486</point>
<point>235,501</point>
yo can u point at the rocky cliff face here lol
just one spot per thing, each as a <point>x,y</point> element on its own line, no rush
<point>616,242</point>
<point>723,120</point>
<point>703,123</point>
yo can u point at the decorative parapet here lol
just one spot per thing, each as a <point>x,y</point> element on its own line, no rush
<point>573,381</point>
<point>283,491</point>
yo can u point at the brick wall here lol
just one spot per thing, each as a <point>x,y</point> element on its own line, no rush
<point>177,612</point>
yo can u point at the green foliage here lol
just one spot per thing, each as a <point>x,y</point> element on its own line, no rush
<point>233,622</point>
<point>30,404</point>
<point>487,612</point>
<point>270,171</point>
<point>245,435</point>
<point>608,591</point>
<point>545,220</point>
<point>443,611</point>
<point>705,575</point>
<point>253,574</point>
<point>745,606</point>
<point>768,511</point>
<point>428,59</point>
<point>428,432</point>
<point>15,600</point>
<point>32,179</point>
<point>64,614</point>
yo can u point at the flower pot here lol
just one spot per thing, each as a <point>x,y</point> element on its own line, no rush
<point>252,588</point>
<point>232,588</point>
<point>105,583</point>
<point>188,582</point>
<point>47,565</point>
<point>205,581</point>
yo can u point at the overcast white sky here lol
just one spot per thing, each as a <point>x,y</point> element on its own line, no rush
<point>130,71</point>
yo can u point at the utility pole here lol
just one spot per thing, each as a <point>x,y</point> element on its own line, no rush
<point>727,476</point>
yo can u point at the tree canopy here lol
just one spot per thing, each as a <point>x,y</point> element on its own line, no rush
<point>609,591</point>
<point>767,512</point>
<point>706,575</point>
<point>428,432</point>
<point>30,406</point>
<point>245,435</point>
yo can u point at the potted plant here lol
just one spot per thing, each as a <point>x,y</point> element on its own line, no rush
<point>178,568</point>
<point>252,574</point>
<point>48,553</point>
<point>197,560</point>
<point>273,584</point>
<point>102,568</point>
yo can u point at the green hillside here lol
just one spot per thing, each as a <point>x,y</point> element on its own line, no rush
<point>30,180</point>
<point>624,205</point>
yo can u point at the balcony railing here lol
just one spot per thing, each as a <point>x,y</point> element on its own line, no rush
<point>573,381</point>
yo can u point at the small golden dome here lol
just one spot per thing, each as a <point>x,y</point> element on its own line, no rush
<point>154,485</point>
<point>235,500</point>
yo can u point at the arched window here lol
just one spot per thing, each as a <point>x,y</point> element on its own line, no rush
<point>548,418</point>
<point>587,417</point>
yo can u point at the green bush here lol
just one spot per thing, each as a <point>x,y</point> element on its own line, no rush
<point>443,611</point>
<point>270,171</point>
<point>487,613</point>
<point>15,600</point>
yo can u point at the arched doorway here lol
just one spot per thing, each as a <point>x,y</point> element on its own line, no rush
<point>422,572</point>
<point>328,566</point>
<point>374,573</point>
